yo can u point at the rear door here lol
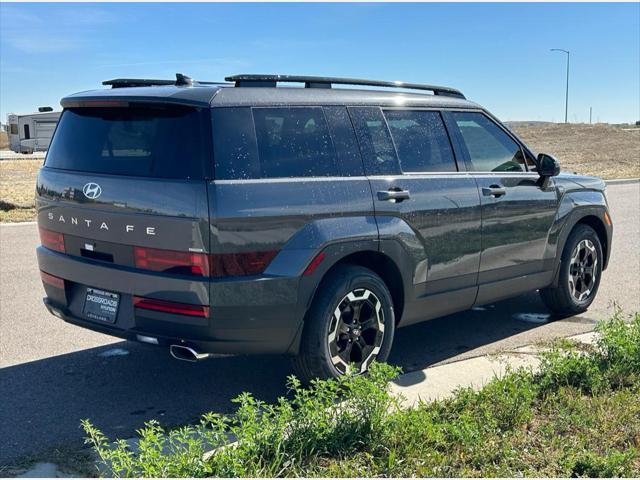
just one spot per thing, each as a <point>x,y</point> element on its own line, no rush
<point>518,208</point>
<point>119,177</point>
<point>419,185</point>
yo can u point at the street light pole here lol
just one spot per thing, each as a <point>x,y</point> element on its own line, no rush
<point>566,97</point>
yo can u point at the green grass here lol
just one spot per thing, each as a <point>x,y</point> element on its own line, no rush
<point>578,415</point>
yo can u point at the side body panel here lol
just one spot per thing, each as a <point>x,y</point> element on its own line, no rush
<point>297,217</point>
<point>516,230</point>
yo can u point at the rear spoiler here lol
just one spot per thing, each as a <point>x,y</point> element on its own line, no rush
<point>180,81</point>
<point>114,101</point>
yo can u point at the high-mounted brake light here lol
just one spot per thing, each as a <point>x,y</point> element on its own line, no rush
<point>96,104</point>
<point>52,280</point>
<point>170,307</point>
<point>185,263</point>
<point>52,240</point>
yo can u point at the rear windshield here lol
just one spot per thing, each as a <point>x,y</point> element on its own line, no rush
<point>138,141</point>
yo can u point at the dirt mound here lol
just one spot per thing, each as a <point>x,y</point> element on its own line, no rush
<point>607,151</point>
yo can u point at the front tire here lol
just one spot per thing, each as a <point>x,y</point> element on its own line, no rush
<point>580,272</point>
<point>350,324</point>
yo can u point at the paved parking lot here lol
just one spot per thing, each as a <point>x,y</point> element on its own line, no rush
<point>53,374</point>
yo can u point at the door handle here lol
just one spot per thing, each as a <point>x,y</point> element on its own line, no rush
<point>392,195</point>
<point>494,191</point>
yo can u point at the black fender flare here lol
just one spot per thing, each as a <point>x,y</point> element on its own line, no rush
<point>575,216</point>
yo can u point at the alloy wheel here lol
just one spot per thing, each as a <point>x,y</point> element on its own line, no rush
<point>356,331</point>
<point>583,270</point>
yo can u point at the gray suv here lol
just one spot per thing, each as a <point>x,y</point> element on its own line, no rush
<point>257,217</point>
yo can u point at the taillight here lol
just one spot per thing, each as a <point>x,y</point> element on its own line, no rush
<point>201,264</point>
<point>185,263</point>
<point>240,264</point>
<point>52,280</point>
<point>170,307</point>
<point>52,240</point>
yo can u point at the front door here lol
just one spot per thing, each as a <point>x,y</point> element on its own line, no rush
<point>423,201</point>
<point>518,207</point>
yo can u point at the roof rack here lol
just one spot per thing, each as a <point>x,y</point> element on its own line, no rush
<point>180,81</point>
<point>253,80</point>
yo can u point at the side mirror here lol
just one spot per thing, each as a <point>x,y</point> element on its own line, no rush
<point>548,166</point>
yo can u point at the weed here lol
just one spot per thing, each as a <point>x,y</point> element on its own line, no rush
<point>577,416</point>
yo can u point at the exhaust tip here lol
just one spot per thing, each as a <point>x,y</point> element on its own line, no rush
<point>187,354</point>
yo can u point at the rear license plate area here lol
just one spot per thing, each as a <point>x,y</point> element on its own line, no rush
<point>101,305</point>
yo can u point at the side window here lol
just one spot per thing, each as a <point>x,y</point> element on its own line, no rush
<point>254,143</point>
<point>376,146</point>
<point>531,163</point>
<point>235,153</point>
<point>294,142</point>
<point>27,135</point>
<point>421,141</point>
<point>344,141</point>
<point>490,148</point>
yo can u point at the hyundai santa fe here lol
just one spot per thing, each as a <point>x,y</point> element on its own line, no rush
<point>287,215</point>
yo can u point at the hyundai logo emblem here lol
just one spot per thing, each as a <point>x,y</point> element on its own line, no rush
<point>92,190</point>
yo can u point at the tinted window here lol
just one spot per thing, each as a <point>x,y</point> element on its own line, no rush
<point>235,152</point>
<point>375,141</point>
<point>294,142</point>
<point>13,129</point>
<point>421,141</point>
<point>490,148</point>
<point>277,143</point>
<point>154,142</point>
<point>344,141</point>
<point>27,136</point>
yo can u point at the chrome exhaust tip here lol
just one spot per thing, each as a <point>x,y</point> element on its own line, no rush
<point>187,354</point>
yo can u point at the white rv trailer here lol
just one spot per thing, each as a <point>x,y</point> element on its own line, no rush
<point>31,132</point>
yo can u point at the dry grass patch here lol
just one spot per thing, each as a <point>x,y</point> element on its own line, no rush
<point>17,189</point>
<point>603,150</point>
<point>4,140</point>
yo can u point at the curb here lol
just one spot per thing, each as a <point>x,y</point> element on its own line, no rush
<point>622,181</point>
<point>442,381</point>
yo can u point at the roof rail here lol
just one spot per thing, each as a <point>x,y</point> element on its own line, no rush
<point>180,81</point>
<point>257,80</point>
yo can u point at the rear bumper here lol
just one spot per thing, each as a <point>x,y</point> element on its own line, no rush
<point>257,315</point>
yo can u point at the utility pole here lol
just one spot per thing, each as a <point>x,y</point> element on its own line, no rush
<point>590,112</point>
<point>566,97</point>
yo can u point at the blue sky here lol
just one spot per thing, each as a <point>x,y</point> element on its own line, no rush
<point>497,54</point>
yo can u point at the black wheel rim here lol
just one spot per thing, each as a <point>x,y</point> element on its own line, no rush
<point>356,331</point>
<point>583,270</point>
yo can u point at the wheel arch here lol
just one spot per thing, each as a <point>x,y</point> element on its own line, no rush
<point>366,256</point>
<point>598,225</point>
<point>594,218</point>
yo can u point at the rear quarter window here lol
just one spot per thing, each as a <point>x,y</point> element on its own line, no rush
<point>283,142</point>
<point>168,142</point>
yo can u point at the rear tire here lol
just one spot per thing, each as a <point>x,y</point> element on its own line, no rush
<point>350,323</point>
<point>580,272</point>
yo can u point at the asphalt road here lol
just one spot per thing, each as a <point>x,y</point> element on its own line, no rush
<point>53,374</point>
